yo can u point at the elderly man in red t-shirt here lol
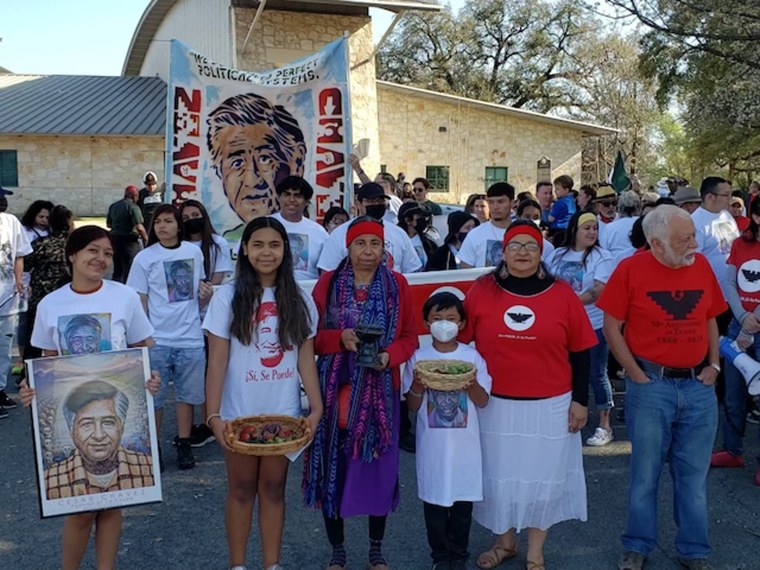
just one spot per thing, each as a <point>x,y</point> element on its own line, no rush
<point>668,299</point>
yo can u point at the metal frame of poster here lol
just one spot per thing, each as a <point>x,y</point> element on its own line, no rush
<point>94,430</point>
<point>232,135</point>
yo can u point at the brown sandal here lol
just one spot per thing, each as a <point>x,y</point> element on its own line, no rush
<point>534,565</point>
<point>496,555</point>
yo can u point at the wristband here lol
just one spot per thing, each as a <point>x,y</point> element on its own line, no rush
<point>211,417</point>
<point>715,366</point>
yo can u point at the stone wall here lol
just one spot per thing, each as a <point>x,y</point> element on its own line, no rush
<point>412,136</point>
<point>281,37</point>
<point>84,173</point>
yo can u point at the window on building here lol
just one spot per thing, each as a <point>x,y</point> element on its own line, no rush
<point>495,174</point>
<point>8,168</point>
<point>438,176</point>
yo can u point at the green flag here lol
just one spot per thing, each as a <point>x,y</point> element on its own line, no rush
<point>618,177</point>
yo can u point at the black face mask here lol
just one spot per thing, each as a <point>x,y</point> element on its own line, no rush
<point>194,226</point>
<point>376,211</point>
<point>461,236</point>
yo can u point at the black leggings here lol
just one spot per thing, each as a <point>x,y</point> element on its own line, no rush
<point>335,535</point>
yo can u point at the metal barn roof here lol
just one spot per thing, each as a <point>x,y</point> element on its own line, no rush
<point>82,105</point>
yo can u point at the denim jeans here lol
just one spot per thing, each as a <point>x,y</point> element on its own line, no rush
<point>675,420</point>
<point>184,366</point>
<point>600,382</point>
<point>8,326</point>
<point>734,416</point>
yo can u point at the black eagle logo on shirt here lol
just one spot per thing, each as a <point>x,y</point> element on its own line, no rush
<point>751,276</point>
<point>678,304</point>
<point>519,317</point>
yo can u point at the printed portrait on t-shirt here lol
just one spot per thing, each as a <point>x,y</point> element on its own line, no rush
<point>179,280</point>
<point>387,255</point>
<point>447,409</point>
<point>494,252</point>
<point>84,334</point>
<point>725,232</point>
<point>299,246</point>
<point>571,272</point>
<point>267,337</point>
<point>6,261</point>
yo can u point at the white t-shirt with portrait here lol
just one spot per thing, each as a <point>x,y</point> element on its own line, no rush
<point>261,378</point>
<point>401,254</point>
<point>448,456</point>
<point>13,244</point>
<point>110,318</point>
<point>306,240</point>
<point>170,278</point>
<point>568,266</point>
<point>715,234</point>
<point>482,247</point>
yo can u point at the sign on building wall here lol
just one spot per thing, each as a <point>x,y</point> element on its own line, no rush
<point>232,135</point>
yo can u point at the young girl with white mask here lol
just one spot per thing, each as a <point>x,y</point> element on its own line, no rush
<point>449,472</point>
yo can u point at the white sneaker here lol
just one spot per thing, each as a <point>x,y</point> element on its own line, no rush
<point>601,437</point>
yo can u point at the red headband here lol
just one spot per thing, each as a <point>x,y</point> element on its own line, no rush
<point>523,230</point>
<point>363,228</point>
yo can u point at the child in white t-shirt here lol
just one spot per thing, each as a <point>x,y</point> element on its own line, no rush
<point>169,276</point>
<point>260,332</point>
<point>449,461</point>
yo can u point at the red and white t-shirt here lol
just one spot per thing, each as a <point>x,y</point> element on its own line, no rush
<point>745,256</point>
<point>665,310</point>
<point>525,340</point>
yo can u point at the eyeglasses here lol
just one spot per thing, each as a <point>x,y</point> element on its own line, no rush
<point>529,247</point>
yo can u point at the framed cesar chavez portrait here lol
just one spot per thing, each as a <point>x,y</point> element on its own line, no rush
<point>94,432</point>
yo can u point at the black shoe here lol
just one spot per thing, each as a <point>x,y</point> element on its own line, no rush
<point>459,565</point>
<point>407,443</point>
<point>445,565</point>
<point>6,401</point>
<point>3,413</point>
<point>200,435</point>
<point>185,459</point>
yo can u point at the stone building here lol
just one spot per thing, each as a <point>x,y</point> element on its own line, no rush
<point>460,144</point>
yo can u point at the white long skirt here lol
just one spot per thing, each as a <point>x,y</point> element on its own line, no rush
<point>532,465</point>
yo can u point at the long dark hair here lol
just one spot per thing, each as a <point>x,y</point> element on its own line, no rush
<point>751,233</point>
<point>207,239</point>
<point>79,239</point>
<point>571,234</point>
<point>163,209</point>
<point>27,220</point>
<point>60,219</point>
<point>293,315</point>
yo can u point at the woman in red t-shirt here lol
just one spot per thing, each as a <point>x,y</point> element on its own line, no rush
<point>742,291</point>
<point>536,338</point>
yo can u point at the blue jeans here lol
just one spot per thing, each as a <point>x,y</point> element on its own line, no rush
<point>734,416</point>
<point>185,366</point>
<point>8,324</point>
<point>674,420</point>
<point>600,382</point>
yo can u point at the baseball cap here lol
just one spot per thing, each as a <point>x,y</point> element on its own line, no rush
<point>686,194</point>
<point>4,192</point>
<point>371,190</point>
<point>131,192</point>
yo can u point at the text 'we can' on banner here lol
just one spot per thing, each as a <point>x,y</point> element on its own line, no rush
<point>232,135</point>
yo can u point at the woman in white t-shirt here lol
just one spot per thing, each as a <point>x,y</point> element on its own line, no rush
<point>261,332</point>
<point>114,311</point>
<point>169,276</point>
<point>586,267</point>
<point>199,231</point>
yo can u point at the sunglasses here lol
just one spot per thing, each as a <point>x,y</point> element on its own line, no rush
<point>419,190</point>
<point>608,203</point>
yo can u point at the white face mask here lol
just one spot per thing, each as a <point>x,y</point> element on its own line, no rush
<point>444,331</point>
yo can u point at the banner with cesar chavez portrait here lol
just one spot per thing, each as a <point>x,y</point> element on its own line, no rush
<point>232,135</point>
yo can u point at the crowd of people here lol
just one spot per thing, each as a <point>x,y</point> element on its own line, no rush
<point>579,278</point>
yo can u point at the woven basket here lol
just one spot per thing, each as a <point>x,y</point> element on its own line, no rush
<point>436,380</point>
<point>297,426</point>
